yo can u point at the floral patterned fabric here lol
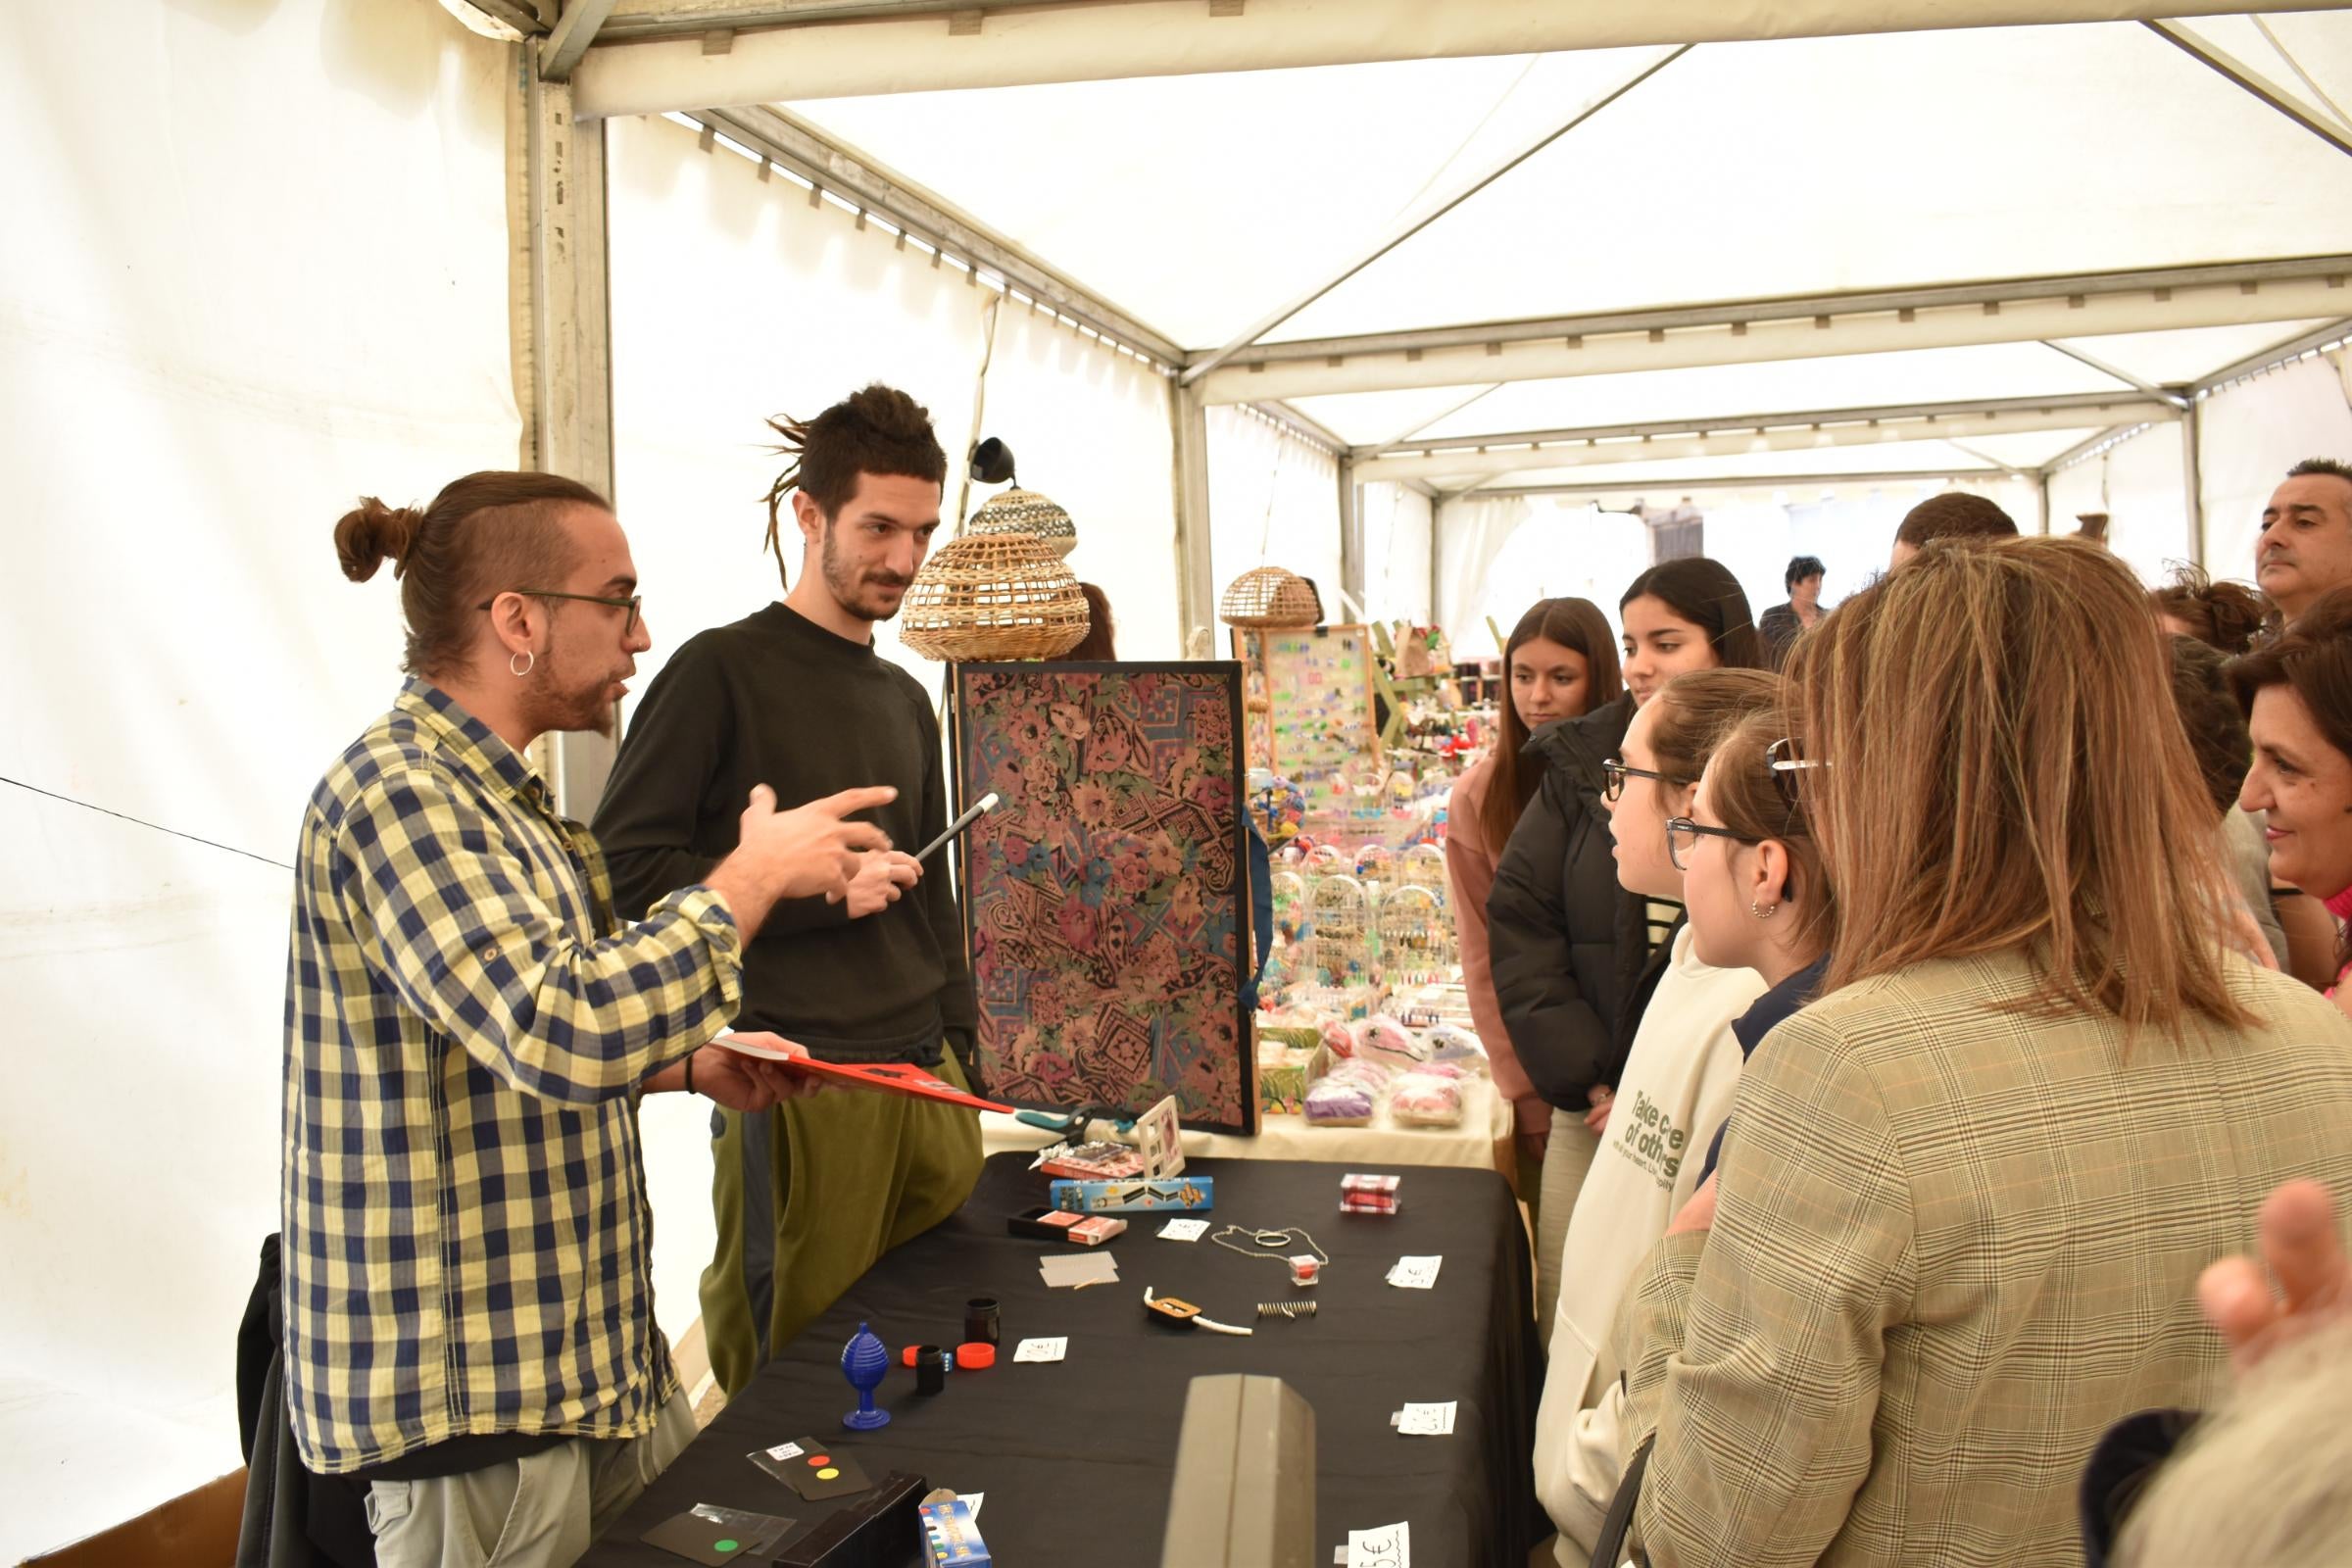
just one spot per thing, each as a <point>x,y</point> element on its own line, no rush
<point>1106,895</point>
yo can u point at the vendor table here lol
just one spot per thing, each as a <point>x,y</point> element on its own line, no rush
<point>1075,1456</point>
<point>1481,1142</point>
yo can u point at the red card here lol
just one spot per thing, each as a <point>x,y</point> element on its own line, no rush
<point>891,1077</point>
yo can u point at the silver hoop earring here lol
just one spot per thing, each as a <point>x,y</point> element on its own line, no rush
<point>527,661</point>
<point>1764,911</point>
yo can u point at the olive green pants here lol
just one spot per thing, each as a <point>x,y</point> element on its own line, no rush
<point>810,1195</point>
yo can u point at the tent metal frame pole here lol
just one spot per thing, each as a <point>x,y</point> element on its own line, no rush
<point>563,48</point>
<point>2041,488</point>
<point>1770,481</point>
<point>2192,479</point>
<point>1887,412</point>
<point>564,331</point>
<point>2122,376</point>
<point>1351,534</point>
<point>2090,444</point>
<point>1304,428</point>
<point>2276,354</point>
<point>1793,307</point>
<point>796,145</point>
<point>1397,236</point>
<point>2319,124</point>
<point>1196,581</point>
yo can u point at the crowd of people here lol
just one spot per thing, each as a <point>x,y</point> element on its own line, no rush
<point>1923,1021</point>
<point>1907,1010</point>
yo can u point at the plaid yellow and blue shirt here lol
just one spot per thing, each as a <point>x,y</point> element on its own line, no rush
<point>466,1239</point>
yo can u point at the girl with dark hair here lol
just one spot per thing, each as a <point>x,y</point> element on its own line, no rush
<point>1570,952</point>
<point>1559,663</point>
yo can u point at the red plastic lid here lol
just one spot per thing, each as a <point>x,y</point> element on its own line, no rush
<point>974,1356</point>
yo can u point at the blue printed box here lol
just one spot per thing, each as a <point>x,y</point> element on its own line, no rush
<point>1158,1194</point>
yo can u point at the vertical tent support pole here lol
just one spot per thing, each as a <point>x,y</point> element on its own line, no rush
<point>1195,586</point>
<point>563,339</point>
<point>2192,479</point>
<point>1352,536</point>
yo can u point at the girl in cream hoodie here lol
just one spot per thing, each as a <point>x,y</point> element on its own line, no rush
<point>1675,1093</point>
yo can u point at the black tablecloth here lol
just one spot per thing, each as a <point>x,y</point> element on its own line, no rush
<point>1075,1457</point>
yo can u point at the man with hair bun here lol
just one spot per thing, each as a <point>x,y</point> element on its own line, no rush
<point>810,1195</point>
<point>468,1314</point>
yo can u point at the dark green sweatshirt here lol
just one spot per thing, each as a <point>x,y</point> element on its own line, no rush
<point>777,699</point>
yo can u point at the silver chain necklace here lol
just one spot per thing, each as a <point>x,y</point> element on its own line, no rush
<point>1271,1244</point>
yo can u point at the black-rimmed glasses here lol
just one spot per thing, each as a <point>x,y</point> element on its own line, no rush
<point>1614,773</point>
<point>1682,836</point>
<point>634,604</point>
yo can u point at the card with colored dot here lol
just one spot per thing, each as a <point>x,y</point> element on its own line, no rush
<point>821,1471</point>
<point>708,1533</point>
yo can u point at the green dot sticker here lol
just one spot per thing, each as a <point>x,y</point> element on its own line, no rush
<point>726,1546</point>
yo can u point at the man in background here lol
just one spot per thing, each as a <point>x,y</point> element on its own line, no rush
<point>2306,543</point>
<point>810,1195</point>
<point>1953,515</point>
<point>1781,623</point>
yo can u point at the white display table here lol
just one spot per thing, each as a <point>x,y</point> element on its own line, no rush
<point>1482,1141</point>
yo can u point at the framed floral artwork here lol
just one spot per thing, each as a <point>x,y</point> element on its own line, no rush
<point>1107,898</point>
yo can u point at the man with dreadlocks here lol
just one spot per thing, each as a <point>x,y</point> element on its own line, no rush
<point>794,696</point>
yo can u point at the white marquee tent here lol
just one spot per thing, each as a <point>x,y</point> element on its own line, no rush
<point>1416,297</point>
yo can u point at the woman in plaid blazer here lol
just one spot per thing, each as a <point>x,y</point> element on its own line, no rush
<point>1966,1196</point>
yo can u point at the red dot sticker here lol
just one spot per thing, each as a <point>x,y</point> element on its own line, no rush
<point>816,1459</point>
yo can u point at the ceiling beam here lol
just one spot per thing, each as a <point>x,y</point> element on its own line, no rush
<point>2122,376</point>
<point>1737,443</point>
<point>2318,122</point>
<point>786,50</point>
<point>563,50</point>
<point>1408,227</point>
<point>2277,353</point>
<point>2087,445</point>
<point>1736,334</point>
<point>1768,481</point>
<point>1299,426</point>
<point>2090,403</point>
<point>794,144</point>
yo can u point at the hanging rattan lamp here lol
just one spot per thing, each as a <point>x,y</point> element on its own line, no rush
<point>1271,598</point>
<point>1019,510</point>
<point>993,596</point>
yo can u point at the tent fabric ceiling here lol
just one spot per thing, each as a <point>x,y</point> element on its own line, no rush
<point>1796,167</point>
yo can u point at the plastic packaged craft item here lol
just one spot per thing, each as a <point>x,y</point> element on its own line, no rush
<point>1337,1038</point>
<point>1459,1046</point>
<point>1425,1100</point>
<point>1097,1161</point>
<point>1384,1039</point>
<point>1337,1103</point>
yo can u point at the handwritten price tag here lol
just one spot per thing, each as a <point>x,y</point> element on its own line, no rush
<point>1415,1273</point>
<point>1425,1420</point>
<point>1184,1230</point>
<point>1041,1349</point>
<point>1389,1546</point>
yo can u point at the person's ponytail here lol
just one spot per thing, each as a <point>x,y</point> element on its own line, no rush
<point>373,533</point>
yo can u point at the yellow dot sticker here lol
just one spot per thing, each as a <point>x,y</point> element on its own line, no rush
<point>829,1473</point>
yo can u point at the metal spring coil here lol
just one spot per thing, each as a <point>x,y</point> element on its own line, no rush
<point>1289,1309</point>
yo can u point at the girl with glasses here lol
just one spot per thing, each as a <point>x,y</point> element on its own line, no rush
<point>1674,1090</point>
<point>1566,943</point>
<point>1962,1207</point>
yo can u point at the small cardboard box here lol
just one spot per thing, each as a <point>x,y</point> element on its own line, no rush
<point>950,1536</point>
<point>1164,1195</point>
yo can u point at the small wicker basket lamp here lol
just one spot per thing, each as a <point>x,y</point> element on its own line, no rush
<point>993,596</point>
<point>1019,510</point>
<point>1270,597</point>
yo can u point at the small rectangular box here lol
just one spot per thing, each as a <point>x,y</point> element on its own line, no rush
<point>1360,1194</point>
<point>1096,1163</point>
<point>1166,1193</point>
<point>951,1538</point>
<point>1060,1225</point>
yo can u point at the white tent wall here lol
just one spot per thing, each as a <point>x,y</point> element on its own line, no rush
<point>283,280</point>
<point>2139,483</point>
<point>1397,540</point>
<point>2254,431</point>
<point>1273,500</point>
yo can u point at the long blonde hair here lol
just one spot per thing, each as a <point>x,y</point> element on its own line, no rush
<point>2001,776</point>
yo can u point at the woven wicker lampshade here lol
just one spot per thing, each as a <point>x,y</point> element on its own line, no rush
<point>993,596</point>
<point>1270,597</point>
<point>1019,510</point>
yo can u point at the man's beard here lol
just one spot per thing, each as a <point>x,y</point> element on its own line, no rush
<point>868,596</point>
<point>578,707</point>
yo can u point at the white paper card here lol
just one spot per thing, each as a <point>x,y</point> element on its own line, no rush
<point>1425,1420</point>
<point>787,1450</point>
<point>1415,1273</point>
<point>1389,1546</point>
<point>1042,1351</point>
<point>1184,1230</point>
<point>975,1499</point>
<point>1071,1269</point>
